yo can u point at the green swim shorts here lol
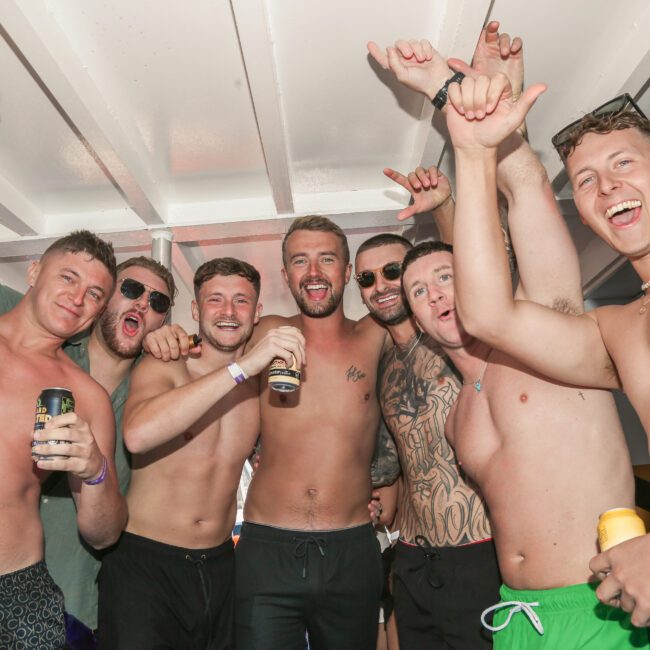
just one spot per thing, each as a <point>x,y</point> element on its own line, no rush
<point>567,618</point>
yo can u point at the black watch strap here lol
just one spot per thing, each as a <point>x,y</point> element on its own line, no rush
<point>440,99</point>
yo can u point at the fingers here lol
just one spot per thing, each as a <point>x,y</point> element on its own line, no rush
<point>600,566</point>
<point>491,32</point>
<point>400,179</point>
<point>378,54</point>
<point>527,99</point>
<point>460,66</point>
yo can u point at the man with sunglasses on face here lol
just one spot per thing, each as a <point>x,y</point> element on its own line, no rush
<point>190,425</point>
<point>445,570</point>
<point>139,304</point>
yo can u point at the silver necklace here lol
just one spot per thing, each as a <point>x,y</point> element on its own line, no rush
<point>644,287</point>
<point>416,340</point>
<point>477,382</point>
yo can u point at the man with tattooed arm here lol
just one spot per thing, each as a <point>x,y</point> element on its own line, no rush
<point>445,570</point>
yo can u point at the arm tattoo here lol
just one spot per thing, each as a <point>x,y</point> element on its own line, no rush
<point>384,468</point>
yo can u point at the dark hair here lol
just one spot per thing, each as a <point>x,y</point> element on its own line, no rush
<point>156,268</point>
<point>603,125</point>
<point>385,239</point>
<point>316,223</point>
<point>226,266</point>
<point>422,250</point>
<point>84,241</point>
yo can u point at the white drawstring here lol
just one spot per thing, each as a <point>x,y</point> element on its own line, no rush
<point>515,606</point>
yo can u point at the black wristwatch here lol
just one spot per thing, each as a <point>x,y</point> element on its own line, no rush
<point>440,99</point>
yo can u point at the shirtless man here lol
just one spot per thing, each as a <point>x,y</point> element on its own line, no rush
<point>548,458</point>
<point>143,295</point>
<point>608,163</point>
<point>445,568</point>
<point>308,557</point>
<point>189,424</point>
<point>69,287</point>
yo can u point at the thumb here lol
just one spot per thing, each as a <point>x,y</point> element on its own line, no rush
<point>527,99</point>
<point>460,66</point>
<point>406,213</point>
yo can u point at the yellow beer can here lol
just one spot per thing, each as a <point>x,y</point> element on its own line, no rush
<point>618,525</point>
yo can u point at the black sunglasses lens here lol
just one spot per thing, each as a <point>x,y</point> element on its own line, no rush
<point>366,279</point>
<point>131,289</point>
<point>392,271</point>
<point>159,302</point>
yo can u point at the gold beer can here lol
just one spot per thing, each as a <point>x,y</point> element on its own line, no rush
<point>282,378</point>
<point>618,525</point>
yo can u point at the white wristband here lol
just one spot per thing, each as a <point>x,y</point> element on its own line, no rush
<point>237,373</point>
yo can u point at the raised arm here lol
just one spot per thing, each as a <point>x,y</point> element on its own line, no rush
<point>431,192</point>
<point>557,344</point>
<point>158,409</point>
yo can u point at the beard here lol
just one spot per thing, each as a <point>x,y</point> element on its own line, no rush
<point>212,340</point>
<point>392,316</point>
<point>108,325</point>
<point>319,309</point>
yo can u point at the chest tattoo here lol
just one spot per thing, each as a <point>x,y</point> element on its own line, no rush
<point>354,374</point>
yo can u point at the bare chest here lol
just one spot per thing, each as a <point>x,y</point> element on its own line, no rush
<point>515,415</point>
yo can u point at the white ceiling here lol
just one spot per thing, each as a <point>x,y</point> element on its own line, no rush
<point>220,121</point>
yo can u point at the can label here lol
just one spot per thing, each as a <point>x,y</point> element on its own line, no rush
<point>618,525</point>
<point>282,378</point>
<point>51,402</point>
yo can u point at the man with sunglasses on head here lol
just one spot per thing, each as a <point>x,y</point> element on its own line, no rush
<point>607,157</point>
<point>190,424</point>
<point>68,288</point>
<point>108,352</point>
<point>445,570</point>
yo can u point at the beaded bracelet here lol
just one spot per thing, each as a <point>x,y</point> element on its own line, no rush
<point>102,475</point>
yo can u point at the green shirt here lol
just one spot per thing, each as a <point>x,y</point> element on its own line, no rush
<point>73,564</point>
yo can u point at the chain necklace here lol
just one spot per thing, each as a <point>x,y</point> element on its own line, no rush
<point>644,287</point>
<point>412,347</point>
<point>477,382</point>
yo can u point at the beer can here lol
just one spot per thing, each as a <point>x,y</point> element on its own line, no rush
<point>51,402</point>
<point>282,378</point>
<point>618,525</point>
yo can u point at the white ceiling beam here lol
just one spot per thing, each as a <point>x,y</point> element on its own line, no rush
<point>256,45</point>
<point>33,34</point>
<point>249,231</point>
<point>16,211</point>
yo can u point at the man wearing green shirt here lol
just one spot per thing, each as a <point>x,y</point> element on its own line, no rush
<point>143,294</point>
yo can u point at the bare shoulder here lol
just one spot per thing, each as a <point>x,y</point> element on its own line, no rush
<point>152,370</point>
<point>368,327</point>
<point>611,318</point>
<point>267,323</point>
